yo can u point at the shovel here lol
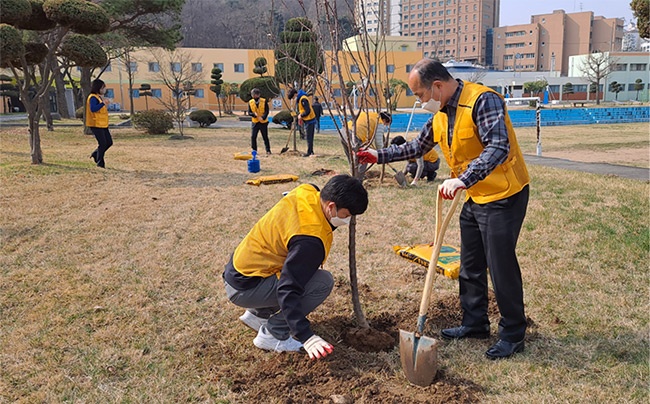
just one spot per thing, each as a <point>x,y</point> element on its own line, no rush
<point>419,353</point>
<point>291,132</point>
<point>399,176</point>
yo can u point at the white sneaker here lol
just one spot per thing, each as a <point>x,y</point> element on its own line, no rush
<point>266,341</point>
<point>252,320</point>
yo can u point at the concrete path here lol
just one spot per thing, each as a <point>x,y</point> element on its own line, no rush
<point>635,173</point>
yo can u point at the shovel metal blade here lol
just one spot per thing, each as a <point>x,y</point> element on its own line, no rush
<point>419,357</point>
<point>401,179</point>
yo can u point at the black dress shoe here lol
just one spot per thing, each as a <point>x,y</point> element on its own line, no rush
<point>93,156</point>
<point>504,349</point>
<point>466,332</point>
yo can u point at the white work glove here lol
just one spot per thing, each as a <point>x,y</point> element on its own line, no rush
<point>449,188</point>
<point>317,347</point>
<point>367,156</point>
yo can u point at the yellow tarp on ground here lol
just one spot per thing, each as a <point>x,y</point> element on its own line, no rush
<point>272,179</point>
<point>448,261</point>
<point>243,156</point>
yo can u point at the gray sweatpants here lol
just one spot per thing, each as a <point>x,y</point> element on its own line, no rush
<point>263,301</point>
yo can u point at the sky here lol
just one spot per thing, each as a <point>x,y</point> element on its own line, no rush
<point>515,12</point>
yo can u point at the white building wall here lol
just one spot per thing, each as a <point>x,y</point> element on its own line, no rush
<point>630,67</point>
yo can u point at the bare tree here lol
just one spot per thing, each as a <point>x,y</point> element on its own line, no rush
<point>175,72</point>
<point>596,67</point>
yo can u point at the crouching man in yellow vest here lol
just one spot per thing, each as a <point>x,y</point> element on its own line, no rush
<point>276,271</point>
<point>478,141</point>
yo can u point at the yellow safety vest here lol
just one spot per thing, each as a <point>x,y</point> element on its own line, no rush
<point>366,124</point>
<point>97,119</point>
<point>312,114</point>
<point>507,178</point>
<point>265,248</point>
<point>431,156</point>
<point>258,109</point>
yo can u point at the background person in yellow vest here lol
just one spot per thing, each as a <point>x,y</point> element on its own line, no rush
<point>306,117</point>
<point>275,272</point>
<point>424,166</point>
<point>258,109</point>
<point>97,121</point>
<point>369,123</point>
<point>478,141</point>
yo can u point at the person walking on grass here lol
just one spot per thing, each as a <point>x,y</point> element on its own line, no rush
<point>258,110</point>
<point>477,139</point>
<point>276,271</point>
<point>97,121</point>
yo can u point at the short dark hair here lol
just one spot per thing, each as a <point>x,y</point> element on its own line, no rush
<point>430,70</point>
<point>96,85</point>
<point>256,91</point>
<point>398,140</point>
<point>385,116</point>
<point>292,93</point>
<point>315,98</point>
<point>346,192</point>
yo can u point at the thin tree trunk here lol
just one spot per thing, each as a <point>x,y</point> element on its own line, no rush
<point>34,115</point>
<point>85,91</point>
<point>354,283</point>
<point>46,113</point>
<point>59,83</point>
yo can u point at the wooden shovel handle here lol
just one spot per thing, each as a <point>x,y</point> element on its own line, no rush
<point>441,228</point>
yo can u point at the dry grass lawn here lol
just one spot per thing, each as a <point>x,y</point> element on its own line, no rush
<point>110,280</point>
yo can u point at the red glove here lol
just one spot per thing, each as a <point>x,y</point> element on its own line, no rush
<point>368,156</point>
<point>449,188</point>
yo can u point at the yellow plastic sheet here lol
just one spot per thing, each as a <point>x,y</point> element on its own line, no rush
<point>448,261</point>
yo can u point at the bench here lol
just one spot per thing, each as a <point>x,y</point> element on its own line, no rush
<point>582,103</point>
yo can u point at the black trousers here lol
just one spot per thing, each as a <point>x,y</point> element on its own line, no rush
<point>104,142</point>
<point>489,234</point>
<point>264,128</point>
<point>310,126</point>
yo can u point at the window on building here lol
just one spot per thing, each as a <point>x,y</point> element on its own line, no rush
<point>390,69</point>
<point>335,69</point>
<point>409,92</point>
<point>110,93</point>
<point>175,67</point>
<point>354,69</point>
<point>636,67</point>
<point>133,67</point>
<point>199,93</point>
<point>239,67</point>
<point>135,93</point>
<point>156,93</point>
<point>336,92</point>
<point>630,87</point>
<point>108,67</point>
<point>409,68</point>
<point>620,67</point>
<point>372,68</point>
<point>197,67</point>
<point>218,66</point>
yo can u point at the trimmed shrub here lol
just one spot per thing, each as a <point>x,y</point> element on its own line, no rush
<point>83,51</point>
<point>203,117</point>
<point>283,118</point>
<point>153,122</point>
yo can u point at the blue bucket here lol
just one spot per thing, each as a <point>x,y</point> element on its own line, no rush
<point>254,163</point>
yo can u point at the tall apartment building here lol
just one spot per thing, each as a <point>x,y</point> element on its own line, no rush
<point>444,29</point>
<point>451,29</point>
<point>380,17</point>
<point>547,42</point>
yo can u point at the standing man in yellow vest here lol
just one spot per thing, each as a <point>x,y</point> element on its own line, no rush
<point>478,141</point>
<point>306,117</point>
<point>276,271</point>
<point>97,121</point>
<point>258,110</point>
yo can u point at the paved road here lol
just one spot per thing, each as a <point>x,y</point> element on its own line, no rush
<point>635,173</point>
